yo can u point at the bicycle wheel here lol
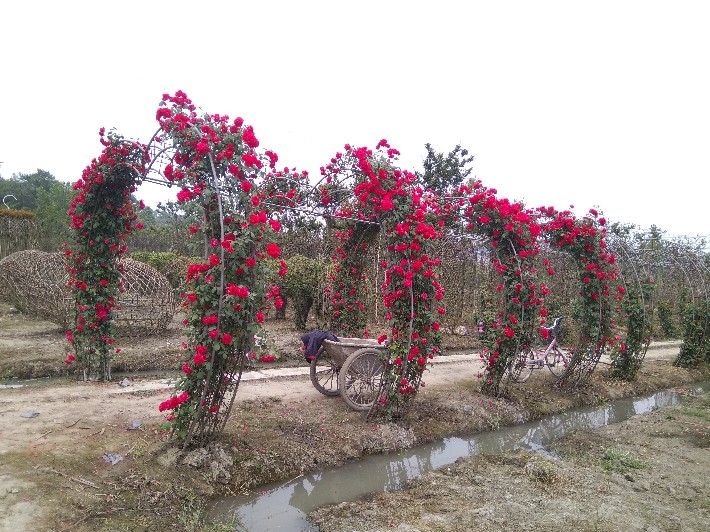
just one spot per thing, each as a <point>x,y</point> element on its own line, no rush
<point>557,362</point>
<point>324,374</point>
<point>521,366</point>
<point>360,378</point>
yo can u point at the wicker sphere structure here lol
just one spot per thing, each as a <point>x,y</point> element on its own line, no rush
<point>35,282</point>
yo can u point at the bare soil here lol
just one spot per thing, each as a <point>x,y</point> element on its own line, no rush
<point>95,457</point>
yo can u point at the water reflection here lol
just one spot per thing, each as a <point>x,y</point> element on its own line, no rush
<point>284,506</point>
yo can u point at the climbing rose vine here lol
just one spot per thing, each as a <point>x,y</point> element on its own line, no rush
<point>512,233</point>
<point>346,290</point>
<point>584,239</point>
<point>102,217</point>
<point>385,195</point>
<point>218,168</point>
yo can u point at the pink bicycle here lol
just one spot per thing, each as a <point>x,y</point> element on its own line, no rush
<point>552,357</point>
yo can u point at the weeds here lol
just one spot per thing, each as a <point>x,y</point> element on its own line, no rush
<point>193,518</point>
<point>621,461</point>
<point>700,408</point>
<point>494,422</point>
<point>542,472</point>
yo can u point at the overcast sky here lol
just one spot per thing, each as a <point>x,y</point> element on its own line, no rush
<point>600,104</point>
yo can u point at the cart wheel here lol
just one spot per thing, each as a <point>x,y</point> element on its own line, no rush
<point>520,367</point>
<point>360,378</point>
<point>324,374</point>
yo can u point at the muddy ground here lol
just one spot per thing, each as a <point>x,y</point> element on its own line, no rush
<point>96,457</point>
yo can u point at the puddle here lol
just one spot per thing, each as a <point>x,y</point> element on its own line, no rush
<point>284,506</point>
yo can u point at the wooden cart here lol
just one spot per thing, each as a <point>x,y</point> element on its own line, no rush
<point>351,368</point>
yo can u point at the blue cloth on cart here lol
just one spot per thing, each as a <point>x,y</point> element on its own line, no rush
<point>313,340</point>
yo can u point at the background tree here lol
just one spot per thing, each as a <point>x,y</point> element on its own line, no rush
<point>301,284</point>
<point>51,209</point>
<point>25,187</point>
<point>16,195</point>
<point>167,229</point>
<point>443,173</point>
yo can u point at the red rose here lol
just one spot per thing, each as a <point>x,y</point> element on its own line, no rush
<point>386,204</point>
<point>273,250</point>
<point>226,339</point>
<point>202,148</point>
<point>249,138</point>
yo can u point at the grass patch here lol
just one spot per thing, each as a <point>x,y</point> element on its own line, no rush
<point>618,460</point>
<point>698,407</point>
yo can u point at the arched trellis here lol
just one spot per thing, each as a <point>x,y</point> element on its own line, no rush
<point>649,264</point>
<point>695,312</point>
<point>372,190</point>
<point>585,240</point>
<point>637,307</point>
<point>512,233</point>
<point>215,163</point>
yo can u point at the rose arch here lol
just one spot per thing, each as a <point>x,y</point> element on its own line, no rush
<point>512,233</point>
<point>596,311</point>
<point>375,195</point>
<point>217,166</point>
<point>215,163</point>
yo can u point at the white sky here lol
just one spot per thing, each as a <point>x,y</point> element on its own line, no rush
<point>593,104</point>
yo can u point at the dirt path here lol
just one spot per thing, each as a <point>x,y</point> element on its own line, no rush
<point>56,421</point>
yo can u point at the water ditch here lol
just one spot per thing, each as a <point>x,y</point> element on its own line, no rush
<point>285,505</point>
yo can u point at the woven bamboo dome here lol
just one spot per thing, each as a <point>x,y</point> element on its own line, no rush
<point>35,282</point>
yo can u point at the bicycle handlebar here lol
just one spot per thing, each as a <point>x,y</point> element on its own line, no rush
<point>554,329</point>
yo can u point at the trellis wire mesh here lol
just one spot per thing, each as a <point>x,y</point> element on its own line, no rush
<point>35,282</point>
